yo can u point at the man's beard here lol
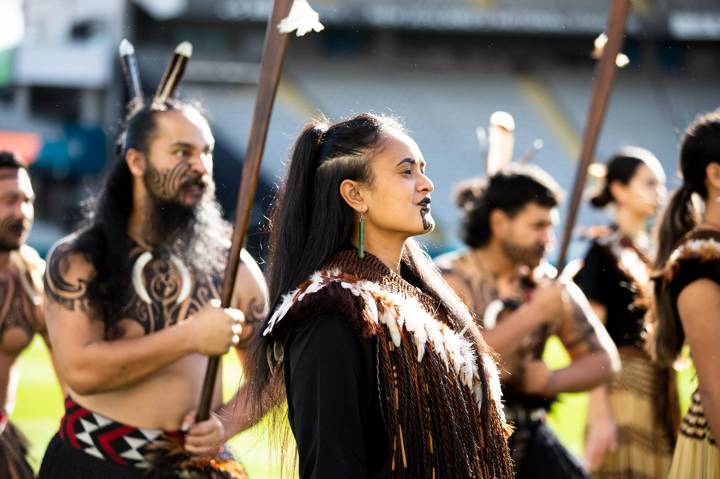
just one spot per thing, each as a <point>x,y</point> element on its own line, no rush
<point>12,234</point>
<point>198,234</point>
<point>529,256</point>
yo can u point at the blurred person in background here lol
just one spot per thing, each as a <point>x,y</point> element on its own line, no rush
<point>686,288</point>
<point>630,432</point>
<point>21,316</point>
<point>507,225</point>
<point>132,303</point>
<point>384,372</point>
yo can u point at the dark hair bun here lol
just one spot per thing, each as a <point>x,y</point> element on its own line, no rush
<point>620,168</point>
<point>602,199</point>
<point>469,191</point>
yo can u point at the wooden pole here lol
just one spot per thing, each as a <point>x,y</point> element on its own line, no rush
<point>270,70</point>
<point>604,80</point>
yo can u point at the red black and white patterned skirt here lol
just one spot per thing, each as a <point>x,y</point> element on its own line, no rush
<point>89,444</point>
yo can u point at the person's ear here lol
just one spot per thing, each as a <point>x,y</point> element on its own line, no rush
<point>136,162</point>
<point>618,191</point>
<point>353,194</point>
<point>499,223</point>
<point>712,173</point>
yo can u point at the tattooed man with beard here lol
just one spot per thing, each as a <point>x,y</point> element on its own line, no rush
<point>20,302</point>
<point>133,304</point>
<point>507,225</point>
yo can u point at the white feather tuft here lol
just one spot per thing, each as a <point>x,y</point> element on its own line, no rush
<point>301,19</point>
<point>126,48</point>
<point>317,283</point>
<point>435,334</point>
<point>280,311</point>
<point>352,287</point>
<point>494,386</point>
<point>185,49</point>
<point>477,393</point>
<point>415,320</point>
<point>371,306</point>
<point>388,319</point>
<point>454,346</point>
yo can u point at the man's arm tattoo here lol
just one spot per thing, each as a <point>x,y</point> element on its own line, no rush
<point>579,334</point>
<point>255,314</point>
<point>72,295</point>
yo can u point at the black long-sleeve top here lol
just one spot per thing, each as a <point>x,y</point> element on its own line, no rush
<point>333,404</point>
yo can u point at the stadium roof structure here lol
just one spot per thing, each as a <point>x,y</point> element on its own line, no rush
<point>678,19</point>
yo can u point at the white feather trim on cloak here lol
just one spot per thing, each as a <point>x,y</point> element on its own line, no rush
<point>398,313</point>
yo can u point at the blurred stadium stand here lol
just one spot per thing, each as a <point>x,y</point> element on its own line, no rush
<point>443,66</point>
<point>683,19</point>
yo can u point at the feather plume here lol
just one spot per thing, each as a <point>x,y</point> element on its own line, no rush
<point>301,19</point>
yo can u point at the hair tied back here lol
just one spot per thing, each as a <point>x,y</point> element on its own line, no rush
<point>320,130</point>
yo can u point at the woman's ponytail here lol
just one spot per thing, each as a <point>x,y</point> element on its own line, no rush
<point>666,333</point>
<point>678,218</point>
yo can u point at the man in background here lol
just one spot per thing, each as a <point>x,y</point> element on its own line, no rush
<point>21,315</point>
<point>503,277</point>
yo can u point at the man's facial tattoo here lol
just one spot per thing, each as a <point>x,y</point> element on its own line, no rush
<point>169,220</point>
<point>169,184</point>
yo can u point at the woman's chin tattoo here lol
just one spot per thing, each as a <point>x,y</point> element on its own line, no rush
<point>428,221</point>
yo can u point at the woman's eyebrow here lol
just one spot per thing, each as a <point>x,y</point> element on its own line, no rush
<point>410,161</point>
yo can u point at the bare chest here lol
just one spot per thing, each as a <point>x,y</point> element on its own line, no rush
<point>163,292</point>
<point>494,303</point>
<point>20,312</point>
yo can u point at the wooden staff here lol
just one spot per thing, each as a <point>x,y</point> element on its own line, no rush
<point>604,80</point>
<point>270,69</point>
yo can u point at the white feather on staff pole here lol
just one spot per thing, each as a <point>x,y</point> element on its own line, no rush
<point>301,19</point>
<point>501,140</point>
<point>173,73</point>
<point>130,69</point>
<point>481,136</point>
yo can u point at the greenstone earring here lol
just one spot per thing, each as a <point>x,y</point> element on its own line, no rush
<point>361,237</point>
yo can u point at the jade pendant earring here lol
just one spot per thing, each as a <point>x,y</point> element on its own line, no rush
<point>361,237</point>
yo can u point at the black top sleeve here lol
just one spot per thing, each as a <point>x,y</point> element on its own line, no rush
<point>328,374</point>
<point>593,276</point>
<point>693,269</point>
<point>602,282</point>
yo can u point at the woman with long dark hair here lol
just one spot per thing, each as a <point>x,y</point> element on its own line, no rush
<point>629,434</point>
<point>686,287</point>
<point>384,371</point>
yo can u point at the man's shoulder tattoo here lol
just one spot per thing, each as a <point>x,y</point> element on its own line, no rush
<point>71,294</point>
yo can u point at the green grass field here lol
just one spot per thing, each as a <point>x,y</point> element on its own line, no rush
<point>39,408</point>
